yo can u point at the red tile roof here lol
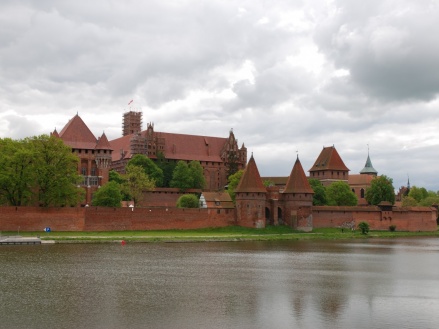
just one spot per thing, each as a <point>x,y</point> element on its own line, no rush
<point>360,179</point>
<point>251,180</point>
<point>77,135</point>
<point>297,181</point>
<point>103,143</point>
<point>329,159</point>
<point>178,147</point>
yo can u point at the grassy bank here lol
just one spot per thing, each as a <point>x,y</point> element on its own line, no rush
<point>233,233</point>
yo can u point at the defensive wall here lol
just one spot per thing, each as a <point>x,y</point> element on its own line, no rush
<point>405,219</point>
<point>162,218</point>
<point>111,219</point>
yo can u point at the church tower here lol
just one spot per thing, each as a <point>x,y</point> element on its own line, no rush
<point>132,123</point>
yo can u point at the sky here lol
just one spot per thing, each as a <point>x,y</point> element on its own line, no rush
<point>289,77</point>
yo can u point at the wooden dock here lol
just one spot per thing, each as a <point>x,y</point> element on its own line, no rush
<point>4,240</point>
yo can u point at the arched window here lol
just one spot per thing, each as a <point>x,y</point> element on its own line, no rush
<point>362,192</point>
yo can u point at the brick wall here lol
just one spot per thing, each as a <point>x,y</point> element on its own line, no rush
<point>109,219</point>
<point>405,219</point>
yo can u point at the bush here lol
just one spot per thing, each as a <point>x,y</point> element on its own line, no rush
<point>392,228</point>
<point>364,227</point>
<point>187,201</point>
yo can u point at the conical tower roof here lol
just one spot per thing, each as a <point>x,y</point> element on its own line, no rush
<point>368,168</point>
<point>297,181</point>
<point>103,143</point>
<point>77,135</point>
<point>251,180</point>
<point>329,159</point>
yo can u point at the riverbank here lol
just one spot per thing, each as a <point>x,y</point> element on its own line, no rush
<point>225,234</point>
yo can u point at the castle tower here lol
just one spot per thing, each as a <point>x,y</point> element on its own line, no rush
<point>296,199</point>
<point>250,196</point>
<point>329,167</point>
<point>132,123</point>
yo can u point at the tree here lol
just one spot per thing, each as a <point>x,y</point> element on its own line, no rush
<point>418,193</point>
<point>233,183</point>
<point>108,195</point>
<point>181,177</point>
<point>187,201</point>
<point>429,201</point>
<point>196,171</point>
<point>340,194</point>
<point>408,201</point>
<point>136,181</point>
<point>364,227</point>
<point>151,169</point>
<point>381,189</point>
<point>56,171</point>
<point>319,197</point>
<point>167,167</point>
<point>17,176</point>
<point>114,176</point>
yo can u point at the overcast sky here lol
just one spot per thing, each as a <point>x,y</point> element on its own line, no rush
<point>288,76</point>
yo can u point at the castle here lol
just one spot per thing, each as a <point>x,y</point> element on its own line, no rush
<point>217,155</point>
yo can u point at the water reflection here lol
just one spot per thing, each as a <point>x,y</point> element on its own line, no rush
<point>303,284</point>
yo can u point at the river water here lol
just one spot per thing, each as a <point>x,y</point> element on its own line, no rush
<point>371,283</point>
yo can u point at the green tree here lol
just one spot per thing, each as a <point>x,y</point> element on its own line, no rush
<point>136,181</point>
<point>196,171</point>
<point>17,176</point>
<point>319,197</point>
<point>167,167</point>
<point>181,178</point>
<point>340,194</point>
<point>187,201</point>
<point>233,183</point>
<point>56,170</point>
<point>364,227</point>
<point>108,195</point>
<point>151,169</point>
<point>268,183</point>
<point>429,201</point>
<point>418,193</point>
<point>381,189</point>
<point>114,176</point>
<point>408,201</point>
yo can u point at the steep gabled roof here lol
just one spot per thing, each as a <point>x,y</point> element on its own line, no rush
<point>103,143</point>
<point>177,146</point>
<point>329,159</point>
<point>368,168</point>
<point>251,180</point>
<point>77,135</point>
<point>297,181</point>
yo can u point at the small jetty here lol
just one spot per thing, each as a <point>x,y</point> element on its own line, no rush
<point>4,240</point>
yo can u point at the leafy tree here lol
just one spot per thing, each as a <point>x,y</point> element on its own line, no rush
<point>268,183</point>
<point>136,181</point>
<point>151,169</point>
<point>114,176</point>
<point>196,171</point>
<point>108,195</point>
<point>187,201</point>
<point>364,227</point>
<point>56,170</point>
<point>233,183</point>
<point>181,178</point>
<point>429,201</point>
<point>16,172</point>
<point>319,197</point>
<point>381,189</point>
<point>340,194</point>
<point>408,201</point>
<point>167,167</point>
<point>418,193</point>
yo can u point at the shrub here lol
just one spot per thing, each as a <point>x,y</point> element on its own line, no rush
<point>392,228</point>
<point>364,227</point>
<point>187,201</point>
